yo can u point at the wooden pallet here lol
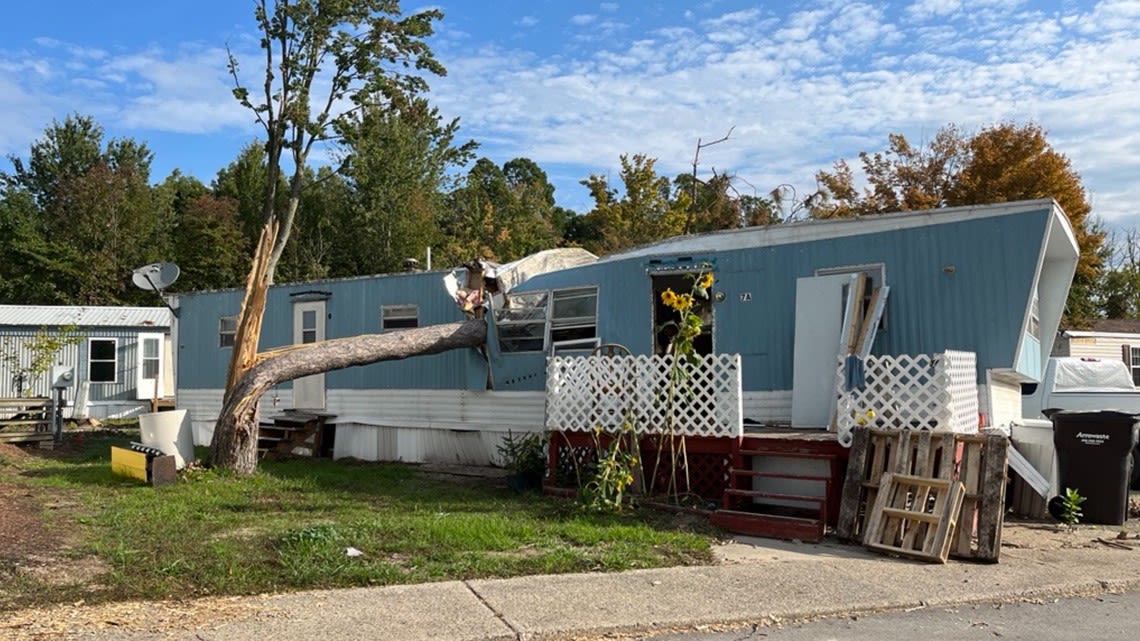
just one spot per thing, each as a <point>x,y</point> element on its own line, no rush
<point>915,516</point>
<point>978,461</point>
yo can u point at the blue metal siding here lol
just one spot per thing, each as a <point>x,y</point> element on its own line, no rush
<point>1029,362</point>
<point>353,308</point>
<point>961,285</point>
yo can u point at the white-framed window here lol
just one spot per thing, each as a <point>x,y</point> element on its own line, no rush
<point>399,317</point>
<point>150,357</point>
<point>532,321</point>
<point>227,329</point>
<point>1134,365</point>
<point>102,360</point>
<point>574,314</point>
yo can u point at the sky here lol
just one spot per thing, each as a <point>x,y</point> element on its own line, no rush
<point>573,85</point>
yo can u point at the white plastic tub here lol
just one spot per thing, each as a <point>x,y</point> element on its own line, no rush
<point>170,432</point>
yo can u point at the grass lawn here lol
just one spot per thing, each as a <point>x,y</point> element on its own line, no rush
<point>289,528</point>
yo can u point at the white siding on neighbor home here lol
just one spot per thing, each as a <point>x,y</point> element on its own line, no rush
<point>1095,344</point>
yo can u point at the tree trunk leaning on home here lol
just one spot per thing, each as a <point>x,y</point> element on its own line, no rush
<point>234,446</point>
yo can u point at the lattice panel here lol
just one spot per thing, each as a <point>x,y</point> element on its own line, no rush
<point>916,392</point>
<point>588,392</point>
<point>961,380</point>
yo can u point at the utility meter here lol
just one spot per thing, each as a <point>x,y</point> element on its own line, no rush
<point>62,376</point>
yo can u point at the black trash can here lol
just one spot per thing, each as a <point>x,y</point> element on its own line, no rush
<point>1094,457</point>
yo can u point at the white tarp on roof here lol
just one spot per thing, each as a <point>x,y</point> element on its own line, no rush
<point>1073,374</point>
<point>58,315</point>
<point>550,260</point>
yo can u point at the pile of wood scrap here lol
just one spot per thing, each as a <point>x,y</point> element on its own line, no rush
<point>926,495</point>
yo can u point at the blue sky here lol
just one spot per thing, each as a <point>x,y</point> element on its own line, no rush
<point>573,85</point>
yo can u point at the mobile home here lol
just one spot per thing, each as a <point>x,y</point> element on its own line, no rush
<point>989,279</point>
<point>121,357</point>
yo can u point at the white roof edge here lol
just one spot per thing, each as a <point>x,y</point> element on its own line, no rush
<point>1091,333</point>
<point>785,233</point>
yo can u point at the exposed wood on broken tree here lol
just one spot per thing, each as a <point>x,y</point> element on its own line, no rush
<point>234,445</point>
<point>250,374</point>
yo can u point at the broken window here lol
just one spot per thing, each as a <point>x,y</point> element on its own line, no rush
<point>522,322</point>
<point>876,277</point>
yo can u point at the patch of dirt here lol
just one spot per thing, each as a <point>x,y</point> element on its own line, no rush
<point>38,535</point>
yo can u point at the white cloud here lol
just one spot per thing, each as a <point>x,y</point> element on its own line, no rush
<point>822,83</point>
<point>583,19</point>
<point>527,21</point>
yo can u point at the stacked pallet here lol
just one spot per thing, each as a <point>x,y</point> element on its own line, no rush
<point>924,494</point>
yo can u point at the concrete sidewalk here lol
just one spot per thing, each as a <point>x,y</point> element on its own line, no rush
<point>758,581</point>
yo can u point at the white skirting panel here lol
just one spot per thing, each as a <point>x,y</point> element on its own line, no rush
<point>204,406</point>
<point>415,426</point>
<point>768,407</point>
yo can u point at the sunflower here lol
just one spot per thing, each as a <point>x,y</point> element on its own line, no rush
<point>706,281</point>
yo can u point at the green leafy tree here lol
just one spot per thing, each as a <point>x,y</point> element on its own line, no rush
<point>208,246</point>
<point>501,213</point>
<point>323,59</point>
<point>79,216</point>
<point>244,182</point>
<point>319,55</point>
<point>398,162</point>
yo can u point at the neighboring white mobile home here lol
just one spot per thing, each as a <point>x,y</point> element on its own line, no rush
<point>121,356</point>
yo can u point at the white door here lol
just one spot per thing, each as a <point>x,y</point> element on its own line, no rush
<point>819,324</point>
<point>150,367</point>
<point>309,327</point>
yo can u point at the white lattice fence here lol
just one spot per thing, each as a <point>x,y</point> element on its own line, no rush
<point>917,392</point>
<point>588,392</point>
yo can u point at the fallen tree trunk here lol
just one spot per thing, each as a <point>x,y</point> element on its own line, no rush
<point>234,445</point>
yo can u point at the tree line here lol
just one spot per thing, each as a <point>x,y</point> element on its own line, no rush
<point>80,211</point>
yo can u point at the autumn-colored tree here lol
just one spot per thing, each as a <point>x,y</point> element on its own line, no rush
<point>903,178</point>
<point>1009,162</point>
<point>713,203</point>
<point>1001,163</point>
<point>643,213</point>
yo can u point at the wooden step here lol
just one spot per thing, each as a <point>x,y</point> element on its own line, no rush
<point>778,475</point>
<point>775,495</point>
<point>783,454</point>
<point>769,525</point>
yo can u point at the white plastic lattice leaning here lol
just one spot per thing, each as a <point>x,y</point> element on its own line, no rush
<point>588,392</point>
<point>916,392</point>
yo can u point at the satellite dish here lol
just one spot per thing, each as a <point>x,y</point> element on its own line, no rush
<point>155,277</point>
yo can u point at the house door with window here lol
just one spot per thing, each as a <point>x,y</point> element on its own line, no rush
<point>309,327</point>
<point>151,366</point>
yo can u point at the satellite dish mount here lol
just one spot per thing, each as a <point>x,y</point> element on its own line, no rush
<point>156,277</point>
